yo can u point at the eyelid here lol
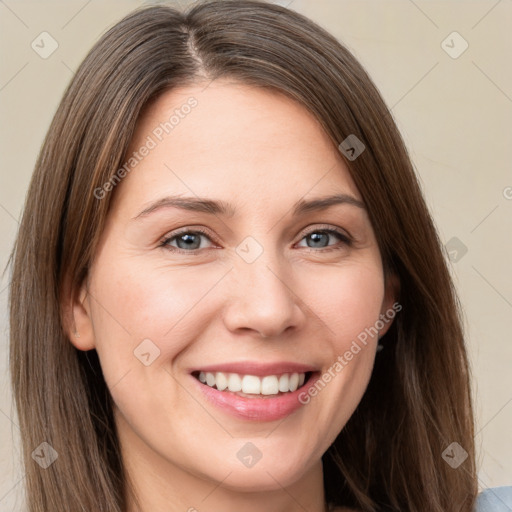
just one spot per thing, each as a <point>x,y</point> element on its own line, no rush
<point>187,229</point>
<point>306,231</point>
<point>312,228</point>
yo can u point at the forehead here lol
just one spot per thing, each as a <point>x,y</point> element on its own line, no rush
<point>230,140</point>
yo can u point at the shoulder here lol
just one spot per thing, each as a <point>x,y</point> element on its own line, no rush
<point>495,499</point>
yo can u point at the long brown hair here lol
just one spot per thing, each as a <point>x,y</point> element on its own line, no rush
<point>389,456</point>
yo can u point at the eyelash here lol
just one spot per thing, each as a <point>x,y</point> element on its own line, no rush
<point>345,240</point>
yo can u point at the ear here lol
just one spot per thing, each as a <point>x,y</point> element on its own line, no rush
<point>76,315</point>
<point>390,306</point>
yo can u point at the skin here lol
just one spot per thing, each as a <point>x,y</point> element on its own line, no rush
<point>298,301</point>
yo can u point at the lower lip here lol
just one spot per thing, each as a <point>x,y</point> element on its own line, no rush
<point>257,409</point>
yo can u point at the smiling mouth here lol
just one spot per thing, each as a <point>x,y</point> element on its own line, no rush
<point>253,386</point>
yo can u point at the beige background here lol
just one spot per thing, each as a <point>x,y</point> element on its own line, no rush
<point>454,113</point>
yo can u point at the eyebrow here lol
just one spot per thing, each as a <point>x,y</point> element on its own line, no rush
<point>215,207</point>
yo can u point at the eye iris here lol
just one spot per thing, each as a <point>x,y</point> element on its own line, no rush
<point>316,237</point>
<point>192,240</point>
<point>190,243</point>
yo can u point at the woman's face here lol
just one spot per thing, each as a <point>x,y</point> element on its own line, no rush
<point>213,266</point>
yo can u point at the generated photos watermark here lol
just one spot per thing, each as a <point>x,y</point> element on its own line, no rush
<point>151,142</point>
<point>344,359</point>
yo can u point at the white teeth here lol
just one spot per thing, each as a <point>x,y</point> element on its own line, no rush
<point>252,384</point>
<point>234,382</point>
<point>269,385</point>
<point>283,383</point>
<point>294,381</point>
<point>221,381</point>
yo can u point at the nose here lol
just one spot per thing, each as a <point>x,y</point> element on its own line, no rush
<point>261,298</point>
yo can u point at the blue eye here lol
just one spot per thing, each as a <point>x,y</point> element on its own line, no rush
<point>189,241</point>
<point>320,236</point>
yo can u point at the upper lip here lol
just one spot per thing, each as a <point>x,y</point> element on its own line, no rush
<point>257,368</point>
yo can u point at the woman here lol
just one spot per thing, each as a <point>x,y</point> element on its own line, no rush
<point>228,293</point>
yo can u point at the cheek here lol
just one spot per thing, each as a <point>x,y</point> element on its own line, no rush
<point>170,306</point>
<point>136,303</point>
<point>347,300</point>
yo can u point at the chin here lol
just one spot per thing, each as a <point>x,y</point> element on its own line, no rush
<point>252,480</point>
